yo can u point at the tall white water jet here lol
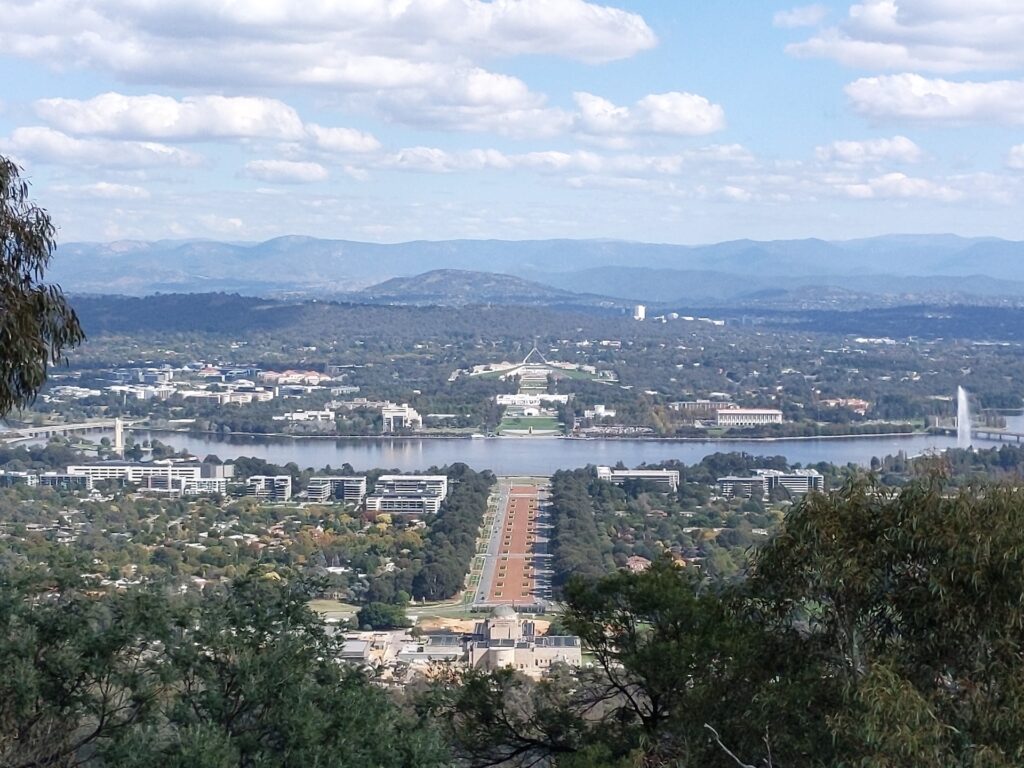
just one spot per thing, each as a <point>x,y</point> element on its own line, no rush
<point>963,419</point>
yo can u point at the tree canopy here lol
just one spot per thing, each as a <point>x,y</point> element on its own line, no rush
<point>37,324</point>
<point>879,628</point>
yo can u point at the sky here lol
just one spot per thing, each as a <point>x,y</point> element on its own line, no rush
<point>682,121</point>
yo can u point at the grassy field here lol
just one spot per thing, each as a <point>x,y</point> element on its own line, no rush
<point>333,609</point>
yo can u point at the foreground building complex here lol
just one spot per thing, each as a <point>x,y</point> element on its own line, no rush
<point>185,478</point>
<point>664,479</point>
<point>408,494</point>
<point>505,640</point>
<point>341,488</point>
<point>797,482</point>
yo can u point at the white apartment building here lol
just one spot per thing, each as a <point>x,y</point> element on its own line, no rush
<point>397,417</point>
<point>639,312</point>
<point>747,417</point>
<point>599,412</point>
<point>798,482</point>
<point>325,488</point>
<point>408,494</point>
<point>65,481</point>
<point>187,478</point>
<point>269,487</point>
<point>666,479</point>
<point>732,486</point>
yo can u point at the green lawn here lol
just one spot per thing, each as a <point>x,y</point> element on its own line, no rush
<point>333,609</point>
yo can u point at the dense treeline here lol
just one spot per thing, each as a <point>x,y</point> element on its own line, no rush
<point>878,629</point>
<point>452,537</point>
<point>578,546</point>
<point>598,525</point>
<point>242,676</point>
<point>436,568</point>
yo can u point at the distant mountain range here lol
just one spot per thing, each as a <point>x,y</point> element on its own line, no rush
<point>903,267</point>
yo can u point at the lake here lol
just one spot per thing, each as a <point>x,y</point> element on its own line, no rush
<point>533,455</point>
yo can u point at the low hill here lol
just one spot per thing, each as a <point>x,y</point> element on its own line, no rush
<point>461,287</point>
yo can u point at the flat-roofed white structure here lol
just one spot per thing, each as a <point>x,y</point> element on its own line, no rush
<point>743,487</point>
<point>408,494</point>
<point>269,487</point>
<point>187,478</point>
<point>798,482</point>
<point>666,479</point>
<point>398,417</point>
<point>344,488</point>
<point>66,481</point>
<point>137,471</point>
<point>748,417</point>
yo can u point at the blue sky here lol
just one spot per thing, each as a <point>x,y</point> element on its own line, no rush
<point>390,120</point>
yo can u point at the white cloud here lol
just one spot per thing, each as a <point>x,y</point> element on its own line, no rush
<point>197,118</point>
<point>921,98</point>
<point>105,190</point>
<point>673,113</point>
<point>943,36</point>
<point>1015,158</point>
<point>901,186</point>
<point>342,139</point>
<point>474,100</point>
<point>803,16</point>
<point>414,61</point>
<point>45,145</point>
<point>286,171</point>
<point>436,160</point>
<point>898,149</point>
<point>166,118</point>
<point>222,225</point>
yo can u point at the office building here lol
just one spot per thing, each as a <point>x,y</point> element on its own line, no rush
<point>400,417</point>
<point>336,488</point>
<point>665,479</point>
<point>743,487</point>
<point>798,482</point>
<point>269,487</point>
<point>184,477</point>
<point>408,494</point>
<point>747,417</point>
<point>9,479</point>
<point>66,482</point>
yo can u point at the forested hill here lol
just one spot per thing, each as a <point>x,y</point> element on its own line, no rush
<point>234,316</point>
<point>461,287</point>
